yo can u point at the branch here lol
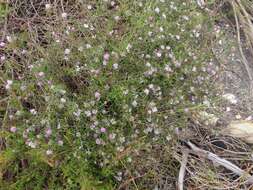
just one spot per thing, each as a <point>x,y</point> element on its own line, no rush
<point>182,170</point>
<point>216,159</point>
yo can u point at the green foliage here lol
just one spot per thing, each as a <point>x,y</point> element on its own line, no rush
<point>97,87</point>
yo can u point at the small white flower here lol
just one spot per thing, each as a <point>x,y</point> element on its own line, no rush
<point>64,15</point>
<point>146,91</point>
<point>32,144</point>
<point>129,46</point>
<point>48,6</point>
<point>88,46</point>
<point>154,109</point>
<point>60,142</point>
<point>49,152</point>
<point>97,95</point>
<point>41,74</point>
<point>231,98</point>
<point>151,86</point>
<point>9,82</point>
<point>85,25</point>
<point>8,85</point>
<point>63,100</point>
<point>67,51</point>
<point>2,44</point>
<point>33,111</point>
<point>9,39</point>
<point>89,7</point>
<point>115,66</point>
<point>117,18</point>
<point>238,116</point>
<point>13,129</point>
<point>3,58</point>
<point>77,113</point>
<point>134,103</point>
<point>157,10</point>
<point>159,54</point>
<point>80,48</point>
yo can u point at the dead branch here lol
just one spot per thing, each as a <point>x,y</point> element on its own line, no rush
<point>216,159</point>
<point>182,170</point>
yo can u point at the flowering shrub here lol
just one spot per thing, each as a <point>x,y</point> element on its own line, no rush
<point>103,81</point>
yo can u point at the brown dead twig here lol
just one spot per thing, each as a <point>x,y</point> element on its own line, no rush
<point>222,162</point>
<point>182,170</point>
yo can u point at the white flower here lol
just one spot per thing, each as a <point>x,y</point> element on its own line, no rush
<point>60,142</point>
<point>9,82</point>
<point>85,25</point>
<point>3,58</point>
<point>33,111</point>
<point>13,129</point>
<point>49,152</point>
<point>9,39</point>
<point>89,7</point>
<point>146,91</point>
<point>67,51</point>
<point>134,103</point>
<point>63,100</point>
<point>88,46</point>
<point>97,95</point>
<point>2,44</point>
<point>238,116</point>
<point>117,18</point>
<point>64,15</point>
<point>80,48</point>
<point>231,98</point>
<point>154,109</point>
<point>115,66</point>
<point>41,74</point>
<point>32,144</point>
<point>157,10</point>
<point>158,53</point>
<point>48,6</point>
<point>129,46</point>
<point>8,85</point>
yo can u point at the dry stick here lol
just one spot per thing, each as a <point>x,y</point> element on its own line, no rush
<point>216,159</point>
<point>182,170</point>
<point>244,60</point>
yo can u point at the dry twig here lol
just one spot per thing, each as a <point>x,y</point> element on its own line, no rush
<point>216,159</point>
<point>182,170</point>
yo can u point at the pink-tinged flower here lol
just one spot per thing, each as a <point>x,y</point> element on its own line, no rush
<point>112,136</point>
<point>2,44</point>
<point>103,130</point>
<point>48,132</point>
<point>98,141</point>
<point>106,56</point>
<point>60,142</point>
<point>2,58</point>
<point>13,129</point>
<point>97,95</point>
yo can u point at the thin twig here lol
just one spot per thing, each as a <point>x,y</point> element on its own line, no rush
<point>182,170</point>
<point>216,159</point>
